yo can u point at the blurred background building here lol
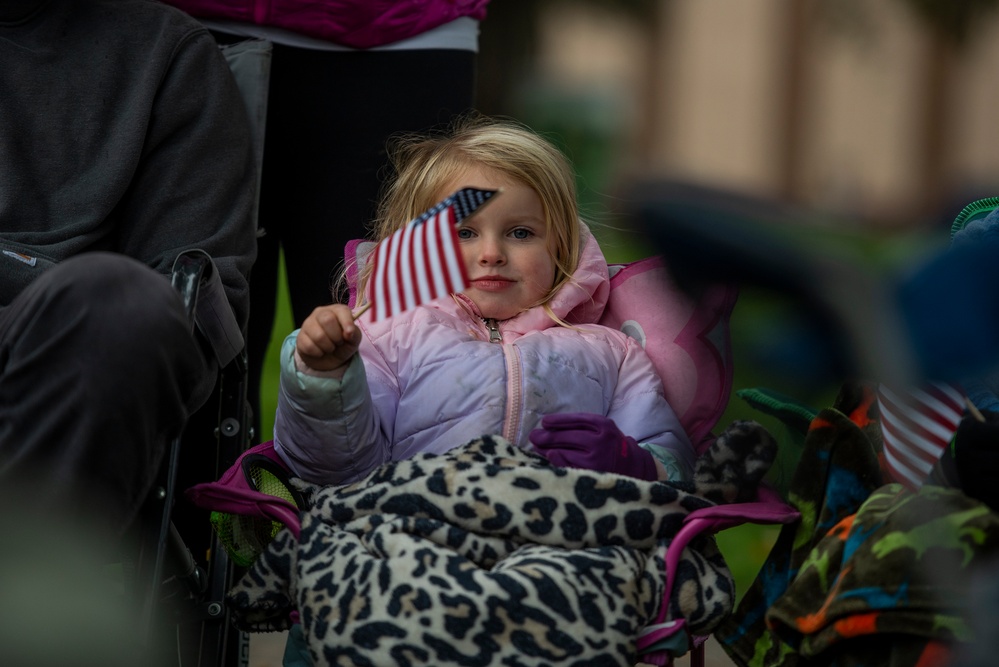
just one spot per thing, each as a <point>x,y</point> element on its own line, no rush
<point>880,110</point>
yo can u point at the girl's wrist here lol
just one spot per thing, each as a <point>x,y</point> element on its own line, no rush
<point>667,464</point>
<point>336,373</point>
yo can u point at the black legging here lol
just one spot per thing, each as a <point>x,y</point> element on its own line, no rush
<point>329,116</point>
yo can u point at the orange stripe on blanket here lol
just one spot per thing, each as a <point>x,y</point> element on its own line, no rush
<point>842,529</point>
<point>861,415</point>
<point>857,625</point>
<point>812,623</point>
<point>818,423</point>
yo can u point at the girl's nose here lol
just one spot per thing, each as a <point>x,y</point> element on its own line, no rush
<point>491,252</point>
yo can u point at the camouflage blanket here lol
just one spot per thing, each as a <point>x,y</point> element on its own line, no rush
<point>874,574</point>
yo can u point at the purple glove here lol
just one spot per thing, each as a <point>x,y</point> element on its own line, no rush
<point>593,442</point>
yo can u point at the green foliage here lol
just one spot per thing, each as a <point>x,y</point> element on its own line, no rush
<point>283,325</point>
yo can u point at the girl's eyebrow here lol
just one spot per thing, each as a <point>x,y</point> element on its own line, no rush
<point>519,219</point>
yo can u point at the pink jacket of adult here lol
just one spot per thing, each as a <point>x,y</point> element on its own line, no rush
<point>429,379</point>
<point>359,24</point>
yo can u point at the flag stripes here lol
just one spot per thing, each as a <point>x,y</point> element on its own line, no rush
<point>422,261</point>
<point>917,424</point>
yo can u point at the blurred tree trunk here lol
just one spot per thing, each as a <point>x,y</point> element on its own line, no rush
<point>653,114</point>
<point>936,120</point>
<point>507,46</point>
<point>792,105</point>
<point>950,26</point>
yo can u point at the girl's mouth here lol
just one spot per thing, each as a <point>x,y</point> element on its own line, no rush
<point>492,283</point>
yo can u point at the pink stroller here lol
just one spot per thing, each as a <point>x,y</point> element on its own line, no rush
<point>680,585</point>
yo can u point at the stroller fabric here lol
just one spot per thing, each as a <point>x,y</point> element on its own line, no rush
<point>488,555</point>
<point>252,501</point>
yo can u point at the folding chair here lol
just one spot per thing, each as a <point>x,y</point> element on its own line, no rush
<point>175,588</point>
<point>180,560</point>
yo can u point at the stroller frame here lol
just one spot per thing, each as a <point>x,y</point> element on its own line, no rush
<point>165,568</point>
<point>168,541</point>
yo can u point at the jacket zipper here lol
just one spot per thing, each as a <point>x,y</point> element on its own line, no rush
<point>494,332</point>
<point>511,421</point>
<point>511,424</point>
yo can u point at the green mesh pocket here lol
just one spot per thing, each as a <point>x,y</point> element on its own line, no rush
<point>243,537</point>
<point>266,480</point>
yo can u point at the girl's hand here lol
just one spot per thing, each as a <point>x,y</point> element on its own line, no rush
<point>592,442</point>
<point>328,338</point>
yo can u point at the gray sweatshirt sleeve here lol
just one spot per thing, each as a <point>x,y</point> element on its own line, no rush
<point>195,185</point>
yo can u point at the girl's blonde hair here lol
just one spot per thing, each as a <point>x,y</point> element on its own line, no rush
<point>424,164</point>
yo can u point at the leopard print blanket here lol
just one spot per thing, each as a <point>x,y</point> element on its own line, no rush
<point>488,555</point>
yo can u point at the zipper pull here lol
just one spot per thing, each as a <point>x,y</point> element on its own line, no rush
<point>494,332</point>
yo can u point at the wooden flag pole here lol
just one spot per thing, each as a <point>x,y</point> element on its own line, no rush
<point>360,311</point>
<point>975,412</point>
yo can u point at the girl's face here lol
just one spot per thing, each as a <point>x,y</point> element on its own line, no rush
<point>504,245</point>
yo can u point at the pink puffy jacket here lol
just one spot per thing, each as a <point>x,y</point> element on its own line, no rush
<point>429,379</point>
<point>358,24</point>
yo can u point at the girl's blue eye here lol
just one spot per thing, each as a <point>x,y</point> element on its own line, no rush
<point>522,233</point>
<point>464,233</point>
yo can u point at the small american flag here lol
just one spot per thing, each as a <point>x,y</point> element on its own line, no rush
<point>917,424</point>
<point>422,261</point>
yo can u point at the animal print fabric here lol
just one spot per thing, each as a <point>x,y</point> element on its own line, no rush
<point>484,555</point>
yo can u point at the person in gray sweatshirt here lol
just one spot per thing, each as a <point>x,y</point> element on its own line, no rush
<point>123,143</point>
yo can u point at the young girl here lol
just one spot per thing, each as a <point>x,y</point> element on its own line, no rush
<point>517,354</point>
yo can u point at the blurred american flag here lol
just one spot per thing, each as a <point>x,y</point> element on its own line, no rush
<point>422,261</point>
<point>917,424</point>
